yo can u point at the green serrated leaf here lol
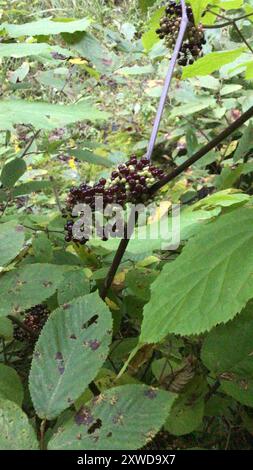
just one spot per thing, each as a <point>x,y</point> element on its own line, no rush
<point>16,432</point>
<point>10,385</point>
<point>125,417</point>
<point>12,171</point>
<point>69,353</point>
<point>209,283</point>
<point>12,237</point>
<point>28,286</point>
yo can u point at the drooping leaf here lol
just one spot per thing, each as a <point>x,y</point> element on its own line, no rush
<point>211,62</point>
<point>74,284</point>
<point>86,155</point>
<point>45,26</point>
<point>91,48</point>
<point>28,286</point>
<point>228,352</point>
<point>69,353</point>
<point>209,283</point>
<point>10,385</point>
<point>12,237</point>
<point>16,432</point>
<point>12,171</point>
<point>46,115</point>
<point>125,417</point>
<point>30,187</point>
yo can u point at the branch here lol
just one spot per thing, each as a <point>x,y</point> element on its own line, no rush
<point>227,23</point>
<point>183,26</point>
<point>129,227</point>
<point>204,150</point>
<point>30,143</point>
<point>22,326</point>
<point>232,22</point>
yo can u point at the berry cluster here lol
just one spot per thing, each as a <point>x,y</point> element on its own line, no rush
<point>194,37</point>
<point>34,319</point>
<point>129,183</point>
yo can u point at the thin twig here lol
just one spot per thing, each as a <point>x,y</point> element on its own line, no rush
<point>213,389</point>
<point>23,154</point>
<point>42,434</point>
<point>227,23</point>
<point>232,22</point>
<point>57,199</point>
<point>22,326</point>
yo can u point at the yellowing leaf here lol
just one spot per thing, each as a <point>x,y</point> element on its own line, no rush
<point>78,61</point>
<point>112,305</point>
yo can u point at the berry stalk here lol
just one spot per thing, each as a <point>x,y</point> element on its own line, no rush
<point>168,79</point>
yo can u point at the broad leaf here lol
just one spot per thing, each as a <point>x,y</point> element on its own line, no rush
<point>74,284</point>
<point>28,286</point>
<point>46,115</point>
<point>21,49</point>
<point>69,353</point>
<point>12,171</point>
<point>30,187</point>
<point>228,352</point>
<point>16,432</point>
<point>185,417</point>
<point>45,26</point>
<point>211,62</point>
<point>10,385</point>
<point>125,417</point>
<point>12,237</point>
<point>209,283</point>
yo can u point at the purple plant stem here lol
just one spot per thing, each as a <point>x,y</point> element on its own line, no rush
<point>168,79</point>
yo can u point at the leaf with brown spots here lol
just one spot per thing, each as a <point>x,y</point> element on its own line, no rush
<point>125,417</point>
<point>67,357</point>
